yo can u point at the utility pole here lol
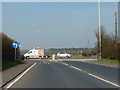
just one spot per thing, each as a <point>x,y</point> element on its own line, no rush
<point>116,34</point>
<point>99,28</point>
<point>116,26</point>
<point>119,21</point>
<point>88,45</point>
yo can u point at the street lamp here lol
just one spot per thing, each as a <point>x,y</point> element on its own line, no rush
<point>99,28</point>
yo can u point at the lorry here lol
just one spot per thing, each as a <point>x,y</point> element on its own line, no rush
<point>35,53</point>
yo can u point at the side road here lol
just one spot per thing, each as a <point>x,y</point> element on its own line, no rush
<point>9,74</point>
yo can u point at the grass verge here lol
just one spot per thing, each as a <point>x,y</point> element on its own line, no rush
<point>6,65</point>
<point>109,60</point>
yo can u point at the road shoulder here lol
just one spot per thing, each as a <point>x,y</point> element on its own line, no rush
<point>11,73</point>
<point>113,65</point>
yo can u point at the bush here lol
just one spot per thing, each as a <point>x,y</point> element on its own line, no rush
<point>86,54</point>
<point>110,48</point>
<point>118,50</point>
<point>8,52</point>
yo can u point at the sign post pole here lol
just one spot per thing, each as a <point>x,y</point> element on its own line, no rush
<point>15,45</point>
<point>15,54</point>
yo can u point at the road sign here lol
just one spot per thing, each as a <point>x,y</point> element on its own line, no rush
<point>38,47</point>
<point>15,45</point>
<point>81,51</point>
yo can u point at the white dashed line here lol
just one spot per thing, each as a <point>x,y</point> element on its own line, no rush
<point>103,80</point>
<point>65,63</point>
<point>93,75</point>
<point>76,68</point>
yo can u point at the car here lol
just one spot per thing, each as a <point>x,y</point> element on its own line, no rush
<point>46,56</point>
<point>21,57</point>
<point>63,54</point>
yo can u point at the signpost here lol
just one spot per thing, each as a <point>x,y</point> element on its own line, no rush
<point>15,45</point>
<point>81,52</point>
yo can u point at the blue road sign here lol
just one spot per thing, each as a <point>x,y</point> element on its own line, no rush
<point>15,45</point>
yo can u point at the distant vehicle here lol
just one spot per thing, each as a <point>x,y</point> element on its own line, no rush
<point>63,54</point>
<point>46,56</point>
<point>21,57</point>
<point>35,54</point>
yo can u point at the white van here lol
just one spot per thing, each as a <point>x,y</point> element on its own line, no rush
<point>34,54</point>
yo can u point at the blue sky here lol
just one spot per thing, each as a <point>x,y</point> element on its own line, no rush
<point>56,24</point>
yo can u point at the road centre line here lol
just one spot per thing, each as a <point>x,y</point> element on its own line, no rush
<point>76,68</point>
<point>20,76</point>
<point>97,77</point>
<point>65,63</point>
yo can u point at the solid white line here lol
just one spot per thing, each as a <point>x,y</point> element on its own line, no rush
<point>103,80</point>
<point>94,76</point>
<point>20,76</point>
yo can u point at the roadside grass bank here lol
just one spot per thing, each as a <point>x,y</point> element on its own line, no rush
<point>9,64</point>
<point>109,60</point>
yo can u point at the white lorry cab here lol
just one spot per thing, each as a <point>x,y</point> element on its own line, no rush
<point>33,53</point>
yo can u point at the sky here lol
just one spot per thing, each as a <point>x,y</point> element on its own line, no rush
<point>56,24</point>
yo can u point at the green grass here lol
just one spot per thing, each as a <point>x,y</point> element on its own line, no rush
<point>6,65</point>
<point>109,60</point>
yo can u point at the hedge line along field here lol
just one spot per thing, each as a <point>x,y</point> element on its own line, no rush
<point>118,50</point>
<point>8,52</point>
<point>110,46</point>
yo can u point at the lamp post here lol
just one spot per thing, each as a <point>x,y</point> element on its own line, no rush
<point>99,28</point>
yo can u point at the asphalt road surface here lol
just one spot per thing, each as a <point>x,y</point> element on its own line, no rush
<point>68,74</point>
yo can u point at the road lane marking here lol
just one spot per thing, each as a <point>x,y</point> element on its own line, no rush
<point>65,63</point>
<point>103,80</point>
<point>107,81</point>
<point>76,68</point>
<point>20,76</point>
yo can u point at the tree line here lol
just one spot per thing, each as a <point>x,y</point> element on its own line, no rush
<point>8,52</point>
<point>110,46</point>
